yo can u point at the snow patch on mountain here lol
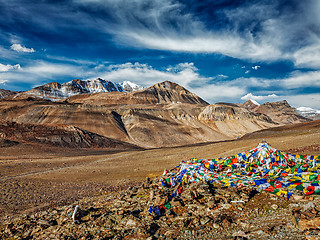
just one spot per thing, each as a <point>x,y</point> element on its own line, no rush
<point>309,112</point>
<point>56,91</point>
<point>130,86</point>
<point>255,102</point>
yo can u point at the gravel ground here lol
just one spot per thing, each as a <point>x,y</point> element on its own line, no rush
<point>201,211</point>
<point>30,195</point>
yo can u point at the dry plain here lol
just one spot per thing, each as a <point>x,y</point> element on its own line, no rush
<point>34,177</point>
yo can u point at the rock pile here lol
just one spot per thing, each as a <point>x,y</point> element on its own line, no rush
<point>200,211</point>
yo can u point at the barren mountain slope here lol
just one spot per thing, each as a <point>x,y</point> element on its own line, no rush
<point>280,112</point>
<point>97,119</point>
<point>168,92</point>
<point>59,136</point>
<point>233,120</point>
<point>145,125</point>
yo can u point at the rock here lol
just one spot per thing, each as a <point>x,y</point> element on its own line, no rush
<point>305,224</point>
<point>215,225</point>
<point>297,197</point>
<point>308,206</point>
<point>205,220</point>
<point>239,234</point>
<point>131,223</point>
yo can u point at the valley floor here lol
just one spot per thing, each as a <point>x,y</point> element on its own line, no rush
<point>34,177</point>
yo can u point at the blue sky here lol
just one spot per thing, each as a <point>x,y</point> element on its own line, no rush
<point>222,50</point>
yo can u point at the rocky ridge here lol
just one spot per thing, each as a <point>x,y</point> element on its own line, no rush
<point>280,112</point>
<point>5,93</point>
<point>249,105</point>
<point>233,120</point>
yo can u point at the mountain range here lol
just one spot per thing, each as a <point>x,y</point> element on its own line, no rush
<point>55,91</point>
<point>165,114</point>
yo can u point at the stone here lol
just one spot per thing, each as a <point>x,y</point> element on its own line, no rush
<point>305,224</point>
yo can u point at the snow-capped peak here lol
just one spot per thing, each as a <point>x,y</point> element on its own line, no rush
<point>254,102</point>
<point>130,86</point>
<point>308,112</point>
<point>56,91</point>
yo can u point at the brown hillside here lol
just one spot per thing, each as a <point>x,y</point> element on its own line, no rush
<point>280,112</point>
<point>58,136</point>
<point>233,120</point>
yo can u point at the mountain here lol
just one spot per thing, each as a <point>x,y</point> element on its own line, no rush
<point>233,120</point>
<point>309,112</point>
<point>280,112</point>
<point>5,93</point>
<point>163,115</point>
<point>169,92</point>
<point>56,91</point>
<point>130,86</point>
<point>250,105</point>
<point>160,93</point>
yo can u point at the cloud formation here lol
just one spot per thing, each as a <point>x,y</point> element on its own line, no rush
<point>255,67</point>
<point>264,30</point>
<point>6,68</point>
<point>249,30</point>
<point>19,48</point>
<point>250,96</point>
<point>146,75</point>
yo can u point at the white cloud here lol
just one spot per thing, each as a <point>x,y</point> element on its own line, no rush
<point>222,92</point>
<point>229,44</point>
<point>48,69</point>
<point>39,72</point>
<point>6,68</point>
<point>250,96</point>
<point>3,81</point>
<point>308,56</point>
<point>143,74</point>
<point>302,79</point>
<point>255,67</point>
<point>19,48</point>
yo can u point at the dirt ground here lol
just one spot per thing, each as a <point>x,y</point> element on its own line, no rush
<point>34,177</point>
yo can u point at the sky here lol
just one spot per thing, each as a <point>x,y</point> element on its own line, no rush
<point>222,50</point>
